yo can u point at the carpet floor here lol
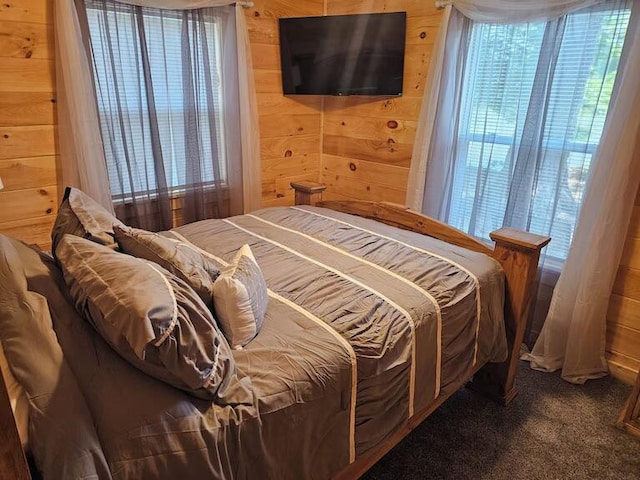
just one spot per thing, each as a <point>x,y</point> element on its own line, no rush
<point>551,430</point>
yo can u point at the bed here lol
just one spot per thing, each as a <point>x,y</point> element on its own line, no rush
<point>375,316</point>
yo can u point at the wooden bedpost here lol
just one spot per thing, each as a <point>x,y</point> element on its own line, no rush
<point>13,463</point>
<point>518,252</point>
<point>308,192</point>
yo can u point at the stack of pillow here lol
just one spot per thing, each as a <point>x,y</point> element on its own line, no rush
<point>162,304</point>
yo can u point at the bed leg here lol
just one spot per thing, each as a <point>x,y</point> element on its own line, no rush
<point>518,252</point>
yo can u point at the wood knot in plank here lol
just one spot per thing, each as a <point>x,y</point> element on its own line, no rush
<point>392,124</point>
<point>288,153</point>
<point>352,167</point>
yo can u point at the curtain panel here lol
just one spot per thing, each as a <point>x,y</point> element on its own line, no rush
<point>80,139</point>
<point>573,336</point>
<point>159,77</point>
<point>521,11</point>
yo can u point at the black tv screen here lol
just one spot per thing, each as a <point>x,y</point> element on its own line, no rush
<point>343,54</point>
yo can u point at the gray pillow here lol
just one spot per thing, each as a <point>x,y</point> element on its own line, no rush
<point>82,216</point>
<point>240,298</point>
<point>177,257</point>
<point>149,316</point>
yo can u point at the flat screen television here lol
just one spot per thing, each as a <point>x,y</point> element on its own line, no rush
<point>343,54</point>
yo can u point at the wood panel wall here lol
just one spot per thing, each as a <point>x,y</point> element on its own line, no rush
<point>623,318</point>
<point>290,139</point>
<point>368,142</point>
<point>360,147</point>
<point>28,201</point>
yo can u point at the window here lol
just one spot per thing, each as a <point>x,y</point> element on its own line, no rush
<point>160,96</point>
<point>534,102</point>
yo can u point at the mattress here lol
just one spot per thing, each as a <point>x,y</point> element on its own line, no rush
<point>366,326</point>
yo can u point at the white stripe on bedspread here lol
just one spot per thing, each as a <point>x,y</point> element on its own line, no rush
<point>347,346</point>
<point>421,250</point>
<point>405,313</point>
<point>421,290</point>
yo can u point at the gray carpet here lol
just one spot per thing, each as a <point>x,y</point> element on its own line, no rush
<point>552,430</point>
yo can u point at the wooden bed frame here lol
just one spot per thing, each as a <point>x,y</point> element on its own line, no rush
<point>518,252</point>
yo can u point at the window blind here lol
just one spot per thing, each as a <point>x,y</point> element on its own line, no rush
<point>180,92</point>
<point>534,102</point>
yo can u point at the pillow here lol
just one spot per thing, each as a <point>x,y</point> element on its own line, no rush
<point>17,399</point>
<point>183,261</point>
<point>82,216</point>
<point>149,316</point>
<point>240,298</point>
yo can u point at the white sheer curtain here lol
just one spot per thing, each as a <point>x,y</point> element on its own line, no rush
<point>434,175</point>
<point>574,334</point>
<point>80,143</point>
<point>79,139</point>
<point>508,11</point>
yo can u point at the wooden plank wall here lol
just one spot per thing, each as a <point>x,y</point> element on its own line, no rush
<point>360,147</point>
<point>290,140</point>
<point>28,201</point>
<point>368,142</point>
<point>623,318</point>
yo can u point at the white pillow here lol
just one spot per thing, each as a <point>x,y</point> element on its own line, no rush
<point>17,398</point>
<point>240,299</point>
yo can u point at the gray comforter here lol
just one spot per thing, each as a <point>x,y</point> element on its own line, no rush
<point>366,326</point>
